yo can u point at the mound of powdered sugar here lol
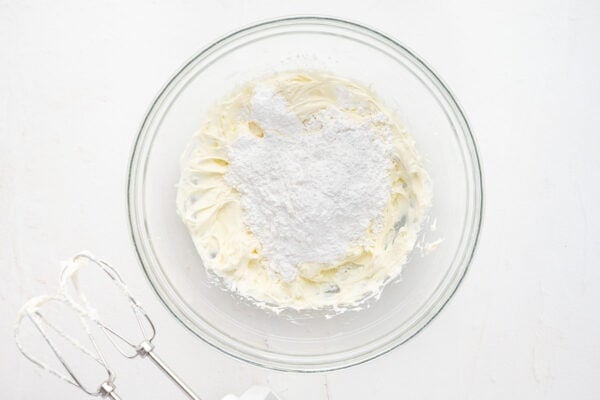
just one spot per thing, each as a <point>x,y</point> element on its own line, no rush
<point>309,192</point>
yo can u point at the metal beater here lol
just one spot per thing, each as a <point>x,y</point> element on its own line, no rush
<point>32,311</point>
<point>78,301</point>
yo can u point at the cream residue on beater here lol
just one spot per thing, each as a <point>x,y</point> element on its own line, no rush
<point>303,191</point>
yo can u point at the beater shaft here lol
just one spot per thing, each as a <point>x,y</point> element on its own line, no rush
<point>146,349</point>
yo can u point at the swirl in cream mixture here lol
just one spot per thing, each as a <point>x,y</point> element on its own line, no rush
<point>215,208</point>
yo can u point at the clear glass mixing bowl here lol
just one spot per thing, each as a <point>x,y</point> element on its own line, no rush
<point>305,342</point>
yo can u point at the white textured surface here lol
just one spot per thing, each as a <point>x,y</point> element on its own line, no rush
<point>76,78</point>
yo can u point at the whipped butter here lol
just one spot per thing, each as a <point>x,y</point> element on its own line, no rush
<point>303,191</point>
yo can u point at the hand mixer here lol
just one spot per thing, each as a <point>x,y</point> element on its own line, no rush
<point>78,303</point>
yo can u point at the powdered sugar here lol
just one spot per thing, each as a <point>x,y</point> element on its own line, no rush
<point>269,110</point>
<point>309,193</point>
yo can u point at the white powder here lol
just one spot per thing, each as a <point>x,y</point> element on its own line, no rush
<point>309,193</point>
<point>269,110</point>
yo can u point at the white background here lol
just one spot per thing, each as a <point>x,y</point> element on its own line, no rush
<point>76,78</point>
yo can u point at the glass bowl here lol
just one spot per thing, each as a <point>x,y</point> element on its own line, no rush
<point>309,341</point>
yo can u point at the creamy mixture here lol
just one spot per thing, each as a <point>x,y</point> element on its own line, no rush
<point>303,191</point>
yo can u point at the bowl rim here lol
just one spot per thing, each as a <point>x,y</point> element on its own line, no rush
<point>474,230</point>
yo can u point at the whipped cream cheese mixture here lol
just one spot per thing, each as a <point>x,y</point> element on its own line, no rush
<point>303,191</point>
